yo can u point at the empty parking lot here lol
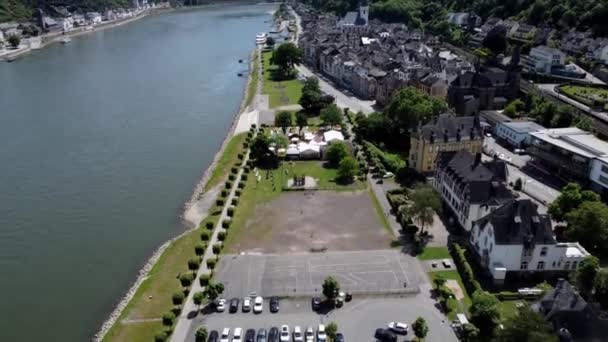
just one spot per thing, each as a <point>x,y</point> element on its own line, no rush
<point>362,272</point>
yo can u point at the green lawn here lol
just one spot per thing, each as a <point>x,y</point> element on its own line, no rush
<point>253,79</point>
<point>280,93</point>
<point>453,305</point>
<point>380,213</point>
<point>134,332</point>
<point>508,308</point>
<point>431,253</point>
<point>314,121</point>
<point>326,176</point>
<point>585,94</point>
<point>227,160</point>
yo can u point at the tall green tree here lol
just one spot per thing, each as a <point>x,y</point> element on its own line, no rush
<point>410,106</point>
<point>335,153</point>
<point>571,197</point>
<point>331,330</point>
<point>331,115</point>
<point>201,335</point>
<point>331,288</point>
<point>198,299</point>
<point>601,288</point>
<point>301,121</point>
<point>425,203</point>
<point>286,57</point>
<point>485,313</point>
<point>527,325</point>
<point>585,275</point>
<point>588,224</point>
<point>213,291</point>
<point>284,120</point>
<point>14,40</point>
<point>347,170</point>
<point>420,328</point>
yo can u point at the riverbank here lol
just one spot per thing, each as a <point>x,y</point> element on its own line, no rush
<point>194,211</point>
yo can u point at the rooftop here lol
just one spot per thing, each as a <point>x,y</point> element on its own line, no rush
<point>523,126</point>
<point>575,140</point>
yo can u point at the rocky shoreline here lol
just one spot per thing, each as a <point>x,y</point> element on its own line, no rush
<point>197,195</point>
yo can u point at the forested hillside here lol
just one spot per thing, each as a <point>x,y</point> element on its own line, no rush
<point>22,9</point>
<point>560,14</point>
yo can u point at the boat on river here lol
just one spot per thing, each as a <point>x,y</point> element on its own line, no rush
<point>65,40</point>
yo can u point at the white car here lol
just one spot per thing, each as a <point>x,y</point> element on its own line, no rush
<point>258,304</point>
<point>297,334</point>
<point>220,305</point>
<point>225,335</point>
<point>237,336</point>
<point>321,335</point>
<point>246,304</point>
<point>284,333</point>
<point>309,335</point>
<point>398,327</point>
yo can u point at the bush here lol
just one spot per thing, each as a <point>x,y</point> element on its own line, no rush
<point>168,319</point>
<point>238,192</point>
<point>224,193</point>
<point>245,144</point>
<point>221,236</point>
<point>246,169</point>
<point>231,177</point>
<point>205,236</point>
<point>230,211</point>
<point>249,134</point>
<point>219,202</point>
<point>160,337</point>
<point>226,223</point>
<point>217,248</point>
<point>241,185</point>
<point>234,170</point>
<point>228,185</point>
<point>199,249</point>
<point>194,263</point>
<point>243,177</point>
<point>465,270</point>
<point>235,201</point>
<point>177,298</point>
<point>211,263</point>
<point>186,279</point>
<point>240,156</point>
<point>209,225</point>
<point>204,279</point>
<point>507,295</point>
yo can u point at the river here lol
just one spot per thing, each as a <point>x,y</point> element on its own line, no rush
<point>103,140</point>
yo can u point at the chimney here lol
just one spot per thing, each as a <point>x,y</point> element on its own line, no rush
<point>445,135</point>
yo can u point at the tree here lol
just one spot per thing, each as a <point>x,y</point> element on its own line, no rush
<point>331,288</point>
<point>301,121</point>
<point>168,319</point>
<point>201,334</point>
<point>514,108</point>
<point>485,313</point>
<point>585,275</point>
<point>331,115</point>
<point>570,198</point>
<point>496,40</point>
<point>270,41</point>
<point>331,330</point>
<point>261,154</point>
<point>439,280</point>
<point>213,291</point>
<point>470,333</point>
<point>335,153</point>
<point>285,57</point>
<point>283,120</point>
<point>588,224</point>
<point>420,328</point>
<point>177,298</point>
<point>527,325</point>
<point>311,95</point>
<point>14,40</point>
<point>601,288</point>
<point>347,170</point>
<point>198,298</point>
<point>424,204</point>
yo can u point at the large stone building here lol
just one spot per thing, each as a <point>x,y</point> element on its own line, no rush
<point>447,133</point>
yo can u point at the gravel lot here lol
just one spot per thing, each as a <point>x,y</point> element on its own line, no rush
<point>313,220</point>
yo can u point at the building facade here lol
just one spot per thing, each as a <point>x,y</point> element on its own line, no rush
<point>517,134</point>
<point>543,59</point>
<point>447,133</point>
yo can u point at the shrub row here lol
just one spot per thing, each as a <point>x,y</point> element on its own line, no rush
<point>465,270</point>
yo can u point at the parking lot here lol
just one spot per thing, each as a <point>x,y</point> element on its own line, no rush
<point>357,320</point>
<point>361,272</point>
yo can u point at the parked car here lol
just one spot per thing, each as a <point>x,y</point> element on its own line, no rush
<point>261,335</point>
<point>398,327</point>
<point>309,335</point>
<point>285,333</point>
<point>234,305</point>
<point>220,305</point>
<point>258,304</point>
<point>316,303</point>
<point>339,338</point>
<point>321,335</point>
<point>273,334</point>
<point>225,335</point>
<point>297,334</point>
<point>250,335</point>
<point>349,296</point>
<point>340,299</point>
<point>237,336</point>
<point>214,336</point>
<point>246,304</point>
<point>385,335</point>
<point>274,304</point>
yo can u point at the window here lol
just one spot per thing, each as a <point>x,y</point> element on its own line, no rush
<point>543,251</point>
<point>604,168</point>
<point>524,265</point>
<point>574,264</point>
<point>540,265</point>
<point>527,252</point>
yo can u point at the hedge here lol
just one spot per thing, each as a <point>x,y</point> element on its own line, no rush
<point>194,264</point>
<point>235,201</point>
<point>217,248</point>
<point>211,263</point>
<point>224,193</point>
<point>186,279</point>
<point>230,211</point>
<point>199,249</point>
<point>219,202</point>
<point>466,272</point>
<point>234,170</point>
<point>209,225</point>
<point>246,169</point>
<point>231,177</point>
<point>243,177</point>
<point>205,236</point>
<point>226,223</point>
<point>240,156</point>
<point>228,185</point>
<point>178,298</point>
<point>160,337</point>
<point>204,279</point>
<point>241,185</point>
<point>168,318</point>
<point>237,192</point>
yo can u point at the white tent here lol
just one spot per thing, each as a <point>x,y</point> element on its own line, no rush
<point>332,135</point>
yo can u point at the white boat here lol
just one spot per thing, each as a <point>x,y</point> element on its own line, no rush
<point>65,40</point>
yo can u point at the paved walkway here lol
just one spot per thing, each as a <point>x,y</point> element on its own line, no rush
<point>386,207</point>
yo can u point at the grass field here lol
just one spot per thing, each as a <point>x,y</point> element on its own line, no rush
<point>280,93</point>
<point>326,176</point>
<point>587,95</point>
<point>431,253</point>
<point>508,308</point>
<point>254,77</point>
<point>227,160</point>
<point>453,306</point>
<point>134,332</point>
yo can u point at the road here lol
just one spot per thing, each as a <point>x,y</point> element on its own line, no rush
<point>491,147</point>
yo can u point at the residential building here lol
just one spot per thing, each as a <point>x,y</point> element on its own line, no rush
<point>543,59</point>
<point>493,118</point>
<point>433,85</point>
<point>572,155</point>
<point>93,17</point>
<point>464,19</point>
<point>603,54</point>
<point>469,187</point>
<point>573,318</point>
<point>447,133</point>
<point>515,238</point>
<point>517,134</point>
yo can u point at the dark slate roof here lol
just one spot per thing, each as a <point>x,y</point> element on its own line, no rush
<point>350,18</point>
<point>451,125</point>
<point>518,222</point>
<point>485,184</point>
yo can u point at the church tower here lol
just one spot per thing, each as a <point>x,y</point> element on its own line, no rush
<point>364,12</point>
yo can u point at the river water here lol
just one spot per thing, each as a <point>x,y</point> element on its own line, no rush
<point>102,142</point>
